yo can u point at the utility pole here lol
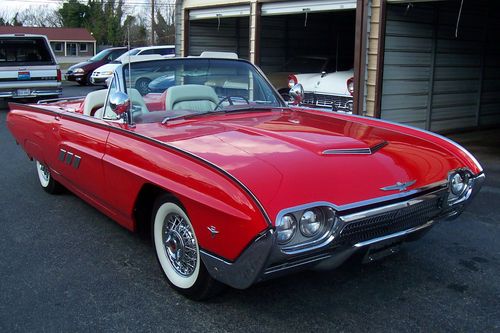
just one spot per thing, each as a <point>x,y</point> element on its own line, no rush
<point>152,22</point>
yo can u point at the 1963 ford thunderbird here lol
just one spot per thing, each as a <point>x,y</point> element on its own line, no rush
<point>236,186</point>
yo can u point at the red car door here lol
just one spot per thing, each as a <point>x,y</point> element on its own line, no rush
<point>81,143</point>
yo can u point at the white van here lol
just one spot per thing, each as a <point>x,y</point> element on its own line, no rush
<point>101,74</point>
<point>28,67</point>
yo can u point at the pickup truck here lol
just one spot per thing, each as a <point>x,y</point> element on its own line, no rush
<point>28,67</point>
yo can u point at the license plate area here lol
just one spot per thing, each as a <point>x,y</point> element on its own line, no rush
<point>23,92</point>
<point>381,250</point>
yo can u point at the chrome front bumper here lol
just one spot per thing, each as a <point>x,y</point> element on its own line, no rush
<point>264,259</point>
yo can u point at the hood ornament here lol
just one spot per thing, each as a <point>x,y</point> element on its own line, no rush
<point>399,186</point>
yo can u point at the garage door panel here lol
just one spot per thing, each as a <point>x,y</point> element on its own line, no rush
<point>451,124</point>
<point>461,46</point>
<point>412,117</point>
<point>491,97</point>
<point>410,29</point>
<point>457,73</point>
<point>491,73</point>
<point>401,58</point>
<point>489,120</point>
<point>459,99</point>
<point>406,73</point>
<point>399,43</point>
<point>228,35</point>
<point>470,34</point>
<point>462,60</point>
<point>422,14</point>
<point>397,87</point>
<point>446,113</point>
<point>296,7</point>
<point>491,85</point>
<point>392,102</point>
<point>451,86</point>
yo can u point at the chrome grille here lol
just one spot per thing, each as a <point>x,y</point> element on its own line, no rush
<point>391,222</point>
<point>341,103</point>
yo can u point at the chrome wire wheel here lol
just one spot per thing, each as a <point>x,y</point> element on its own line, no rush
<point>43,174</point>
<point>180,244</point>
<point>176,245</point>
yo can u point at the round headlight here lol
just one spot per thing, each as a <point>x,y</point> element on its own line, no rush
<point>311,222</point>
<point>286,227</point>
<point>458,183</point>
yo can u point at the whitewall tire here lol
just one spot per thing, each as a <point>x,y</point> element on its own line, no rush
<point>178,252</point>
<point>46,180</point>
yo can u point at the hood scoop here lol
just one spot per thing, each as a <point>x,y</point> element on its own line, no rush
<point>356,151</point>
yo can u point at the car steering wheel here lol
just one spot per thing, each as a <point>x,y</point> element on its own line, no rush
<point>230,100</point>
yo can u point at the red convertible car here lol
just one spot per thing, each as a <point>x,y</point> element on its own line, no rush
<point>236,186</point>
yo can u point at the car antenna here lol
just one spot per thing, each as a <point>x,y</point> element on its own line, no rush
<point>128,44</point>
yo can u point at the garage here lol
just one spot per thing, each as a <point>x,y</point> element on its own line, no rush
<point>282,31</point>
<point>307,28</point>
<point>219,29</point>
<point>441,66</point>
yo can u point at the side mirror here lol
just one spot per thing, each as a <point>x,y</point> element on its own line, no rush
<point>119,103</point>
<point>297,93</point>
<point>108,81</point>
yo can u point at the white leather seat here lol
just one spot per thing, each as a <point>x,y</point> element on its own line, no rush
<point>93,100</point>
<point>136,101</point>
<point>194,97</point>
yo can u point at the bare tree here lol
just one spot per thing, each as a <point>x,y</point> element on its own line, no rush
<point>40,16</point>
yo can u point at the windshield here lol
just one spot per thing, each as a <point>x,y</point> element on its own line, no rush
<point>125,55</point>
<point>29,51</point>
<point>305,65</point>
<point>191,87</point>
<point>101,55</point>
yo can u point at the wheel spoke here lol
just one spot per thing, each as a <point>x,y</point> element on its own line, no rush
<point>180,244</point>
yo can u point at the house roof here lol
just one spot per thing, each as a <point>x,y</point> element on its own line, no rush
<point>59,34</point>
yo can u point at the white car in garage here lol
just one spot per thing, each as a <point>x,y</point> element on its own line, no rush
<point>333,90</point>
<point>101,74</point>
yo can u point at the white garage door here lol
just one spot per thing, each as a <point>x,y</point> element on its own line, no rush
<point>296,7</point>
<point>220,12</point>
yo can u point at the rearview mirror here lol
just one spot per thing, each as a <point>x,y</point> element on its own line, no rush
<point>297,93</point>
<point>119,103</point>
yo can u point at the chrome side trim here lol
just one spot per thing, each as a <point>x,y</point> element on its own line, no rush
<point>394,235</point>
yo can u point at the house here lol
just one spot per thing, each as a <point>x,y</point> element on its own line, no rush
<point>66,42</point>
<point>433,64</point>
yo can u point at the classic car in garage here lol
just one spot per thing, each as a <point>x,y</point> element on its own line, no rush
<point>330,90</point>
<point>234,185</point>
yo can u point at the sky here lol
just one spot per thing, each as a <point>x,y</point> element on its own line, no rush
<point>8,8</point>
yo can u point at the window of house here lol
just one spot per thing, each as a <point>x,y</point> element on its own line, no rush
<point>83,47</point>
<point>58,47</point>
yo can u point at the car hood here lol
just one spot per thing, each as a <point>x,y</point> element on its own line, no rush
<point>330,83</point>
<point>108,67</point>
<point>292,158</point>
<point>83,64</point>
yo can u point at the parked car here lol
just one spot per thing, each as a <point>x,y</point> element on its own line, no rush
<point>333,90</point>
<point>325,83</point>
<point>235,186</point>
<point>101,74</point>
<point>297,65</point>
<point>28,67</point>
<point>82,72</point>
